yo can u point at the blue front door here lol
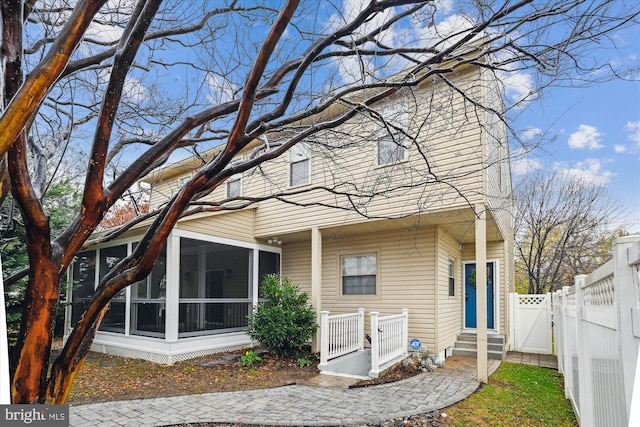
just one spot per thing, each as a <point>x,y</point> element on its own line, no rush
<point>470,295</point>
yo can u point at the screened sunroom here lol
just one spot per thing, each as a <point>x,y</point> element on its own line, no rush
<point>195,301</point>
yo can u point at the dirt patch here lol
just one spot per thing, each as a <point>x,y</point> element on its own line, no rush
<point>105,378</point>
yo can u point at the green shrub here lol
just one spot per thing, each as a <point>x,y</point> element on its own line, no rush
<point>285,321</point>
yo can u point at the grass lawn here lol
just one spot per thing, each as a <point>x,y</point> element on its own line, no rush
<point>516,395</point>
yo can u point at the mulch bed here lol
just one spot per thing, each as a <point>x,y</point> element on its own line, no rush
<point>396,373</point>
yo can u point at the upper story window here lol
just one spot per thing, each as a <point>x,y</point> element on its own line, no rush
<point>359,274</point>
<point>299,165</point>
<point>392,141</point>
<point>234,186</point>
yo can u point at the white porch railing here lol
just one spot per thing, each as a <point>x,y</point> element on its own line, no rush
<point>340,334</point>
<point>597,336</point>
<point>344,333</point>
<point>389,337</point>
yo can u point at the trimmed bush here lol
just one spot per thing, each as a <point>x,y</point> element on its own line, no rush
<point>285,321</point>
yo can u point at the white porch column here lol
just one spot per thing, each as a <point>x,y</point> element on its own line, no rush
<point>316,279</point>
<point>172,295</point>
<point>481,292</point>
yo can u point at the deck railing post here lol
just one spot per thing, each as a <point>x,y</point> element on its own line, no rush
<point>375,343</point>
<point>405,332</point>
<point>361,328</point>
<point>324,338</point>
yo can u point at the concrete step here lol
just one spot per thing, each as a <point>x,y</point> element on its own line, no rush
<point>466,345</point>
<point>497,339</point>
<point>497,355</point>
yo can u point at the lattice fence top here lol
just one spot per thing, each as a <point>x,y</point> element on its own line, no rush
<point>601,293</point>
<point>531,299</point>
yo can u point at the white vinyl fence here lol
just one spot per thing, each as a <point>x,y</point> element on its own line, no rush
<point>530,317</point>
<point>342,334</point>
<point>597,335</point>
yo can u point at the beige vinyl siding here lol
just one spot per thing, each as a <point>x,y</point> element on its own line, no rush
<point>450,141</point>
<point>449,308</point>
<point>296,264</point>
<point>495,251</point>
<point>497,147</point>
<point>406,277</point>
<point>237,225</point>
<point>442,170</point>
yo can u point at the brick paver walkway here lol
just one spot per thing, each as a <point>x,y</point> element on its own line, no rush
<point>296,404</point>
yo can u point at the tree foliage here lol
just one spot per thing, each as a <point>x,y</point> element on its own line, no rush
<point>285,321</point>
<point>562,229</point>
<point>133,83</point>
<point>60,202</point>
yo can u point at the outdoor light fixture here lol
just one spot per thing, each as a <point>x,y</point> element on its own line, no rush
<point>275,240</point>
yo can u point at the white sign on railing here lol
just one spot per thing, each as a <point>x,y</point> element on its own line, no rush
<point>595,340</point>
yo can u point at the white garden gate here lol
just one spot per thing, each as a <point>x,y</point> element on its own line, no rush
<point>530,317</point>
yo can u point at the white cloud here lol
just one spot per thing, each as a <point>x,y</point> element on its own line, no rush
<point>518,87</point>
<point>634,131</point>
<point>356,69</point>
<point>522,163</point>
<point>220,89</point>
<point>589,170</point>
<point>133,90</point>
<point>585,137</point>
<point>530,133</point>
<point>445,33</point>
<point>619,148</point>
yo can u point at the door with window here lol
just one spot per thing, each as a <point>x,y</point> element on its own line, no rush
<point>470,317</point>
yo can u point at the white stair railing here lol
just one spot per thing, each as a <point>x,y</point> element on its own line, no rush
<point>389,339</point>
<point>340,334</point>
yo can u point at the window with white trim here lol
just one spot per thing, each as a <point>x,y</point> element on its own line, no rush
<point>299,164</point>
<point>234,186</point>
<point>452,278</point>
<point>392,139</point>
<point>359,274</point>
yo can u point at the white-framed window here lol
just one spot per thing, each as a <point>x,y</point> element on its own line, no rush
<point>299,165</point>
<point>359,274</point>
<point>452,278</point>
<point>234,186</point>
<point>392,142</point>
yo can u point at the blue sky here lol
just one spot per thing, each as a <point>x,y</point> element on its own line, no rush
<point>596,132</point>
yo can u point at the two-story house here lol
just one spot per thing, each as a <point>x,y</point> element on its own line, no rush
<point>388,211</point>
